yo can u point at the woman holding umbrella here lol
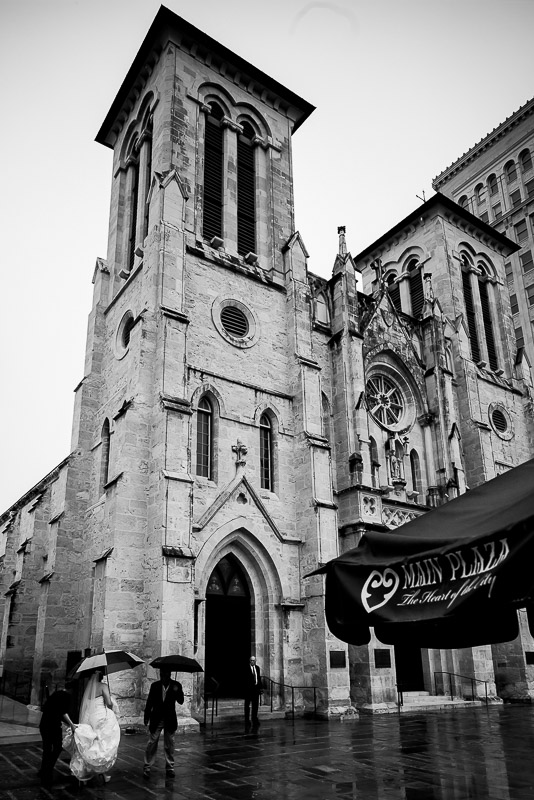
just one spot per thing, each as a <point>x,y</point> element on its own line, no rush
<point>96,739</point>
<point>95,742</point>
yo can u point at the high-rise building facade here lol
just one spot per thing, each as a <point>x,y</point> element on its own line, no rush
<point>241,421</point>
<point>494,180</point>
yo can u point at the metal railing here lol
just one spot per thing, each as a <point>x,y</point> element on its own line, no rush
<point>281,693</point>
<point>471,680</point>
<point>275,690</point>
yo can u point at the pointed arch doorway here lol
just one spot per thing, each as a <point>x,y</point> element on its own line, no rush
<point>228,626</point>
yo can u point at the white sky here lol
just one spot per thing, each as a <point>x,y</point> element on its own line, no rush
<point>402,88</point>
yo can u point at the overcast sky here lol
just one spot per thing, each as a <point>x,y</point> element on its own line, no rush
<point>402,88</point>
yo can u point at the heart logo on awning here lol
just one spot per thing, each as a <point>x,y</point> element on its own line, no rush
<point>379,588</point>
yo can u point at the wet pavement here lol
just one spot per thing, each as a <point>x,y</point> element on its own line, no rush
<point>449,755</point>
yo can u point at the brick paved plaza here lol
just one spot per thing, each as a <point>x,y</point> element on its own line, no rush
<point>470,753</point>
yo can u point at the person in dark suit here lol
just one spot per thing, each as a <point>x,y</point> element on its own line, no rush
<point>253,691</point>
<point>55,711</point>
<point>160,715</point>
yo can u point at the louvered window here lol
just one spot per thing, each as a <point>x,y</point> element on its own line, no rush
<point>417,295</point>
<point>470,315</point>
<point>266,453</point>
<point>246,192</point>
<point>499,421</point>
<point>488,324</point>
<point>212,223</point>
<point>234,321</point>
<point>204,438</point>
<point>394,292</point>
<point>133,215</point>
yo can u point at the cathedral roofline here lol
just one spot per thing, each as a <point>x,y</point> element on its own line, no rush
<point>488,140</point>
<point>167,25</point>
<point>445,202</point>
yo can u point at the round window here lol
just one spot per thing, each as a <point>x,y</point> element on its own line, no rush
<point>500,421</point>
<point>122,339</point>
<point>235,321</point>
<point>384,400</point>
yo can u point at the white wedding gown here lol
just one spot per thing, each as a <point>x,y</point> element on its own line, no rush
<point>95,742</point>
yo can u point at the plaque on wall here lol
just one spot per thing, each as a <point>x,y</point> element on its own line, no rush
<point>338,659</point>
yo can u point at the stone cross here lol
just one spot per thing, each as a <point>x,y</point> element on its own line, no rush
<point>240,452</point>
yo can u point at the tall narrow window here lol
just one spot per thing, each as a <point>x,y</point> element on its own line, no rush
<point>470,312</point>
<point>133,212</point>
<point>525,161</point>
<point>417,294</point>
<point>488,324</point>
<point>148,174</point>
<point>493,186</point>
<point>246,192</point>
<point>375,464</point>
<point>415,469</point>
<point>510,171</point>
<point>266,453</point>
<point>212,224</point>
<point>394,291</point>
<point>204,438</point>
<point>104,456</point>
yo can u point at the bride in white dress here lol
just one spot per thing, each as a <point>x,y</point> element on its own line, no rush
<point>95,741</point>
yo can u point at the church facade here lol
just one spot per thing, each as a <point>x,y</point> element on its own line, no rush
<point>241,421</point>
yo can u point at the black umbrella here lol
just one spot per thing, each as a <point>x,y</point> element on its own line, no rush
<point>177,663</point>
<point>451,578</point>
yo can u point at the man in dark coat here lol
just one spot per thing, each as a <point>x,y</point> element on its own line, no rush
<point>55,711</point>
<point>160,715</point>
<point>253,691</point>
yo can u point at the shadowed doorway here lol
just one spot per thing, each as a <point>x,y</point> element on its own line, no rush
<point>409,667</point>
<point>228,627</point>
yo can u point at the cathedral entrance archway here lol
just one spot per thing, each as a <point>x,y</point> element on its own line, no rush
<point>409,668</point>
<point>228,627</point>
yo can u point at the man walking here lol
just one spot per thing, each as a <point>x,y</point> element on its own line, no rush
<point>160,715</point>
<point>253,691</point>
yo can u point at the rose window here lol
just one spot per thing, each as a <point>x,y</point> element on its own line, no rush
<point>384,400</point>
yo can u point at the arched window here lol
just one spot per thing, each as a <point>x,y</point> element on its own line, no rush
<point>104,456</point>
<point>415,469</point>
<point>525,160</point>
<point>266,453</point>
<point>510,172</point>
<point>147,165</point>
<point>394,291</point>
<point>487,319</point>
<point>417,295</point>
<point>470,310</point>
<point>493,186</point>
<point>480,195</point>
<point>133,179</point>
<point>464,202</point>
<point>321,310</point>
<point>326,418</point>
<point>212,222</point>
<point>375,464</point>
<point>246,191</point>
<point>204,438</point>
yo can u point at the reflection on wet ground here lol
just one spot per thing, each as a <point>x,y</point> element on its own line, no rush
<point>452,755</point>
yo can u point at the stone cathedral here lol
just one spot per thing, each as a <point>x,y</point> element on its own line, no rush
<point>240,421</point>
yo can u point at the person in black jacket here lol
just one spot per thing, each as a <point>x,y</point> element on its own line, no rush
<point>160,715</point>
<point>55,711</point>
<point>253,691</point>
